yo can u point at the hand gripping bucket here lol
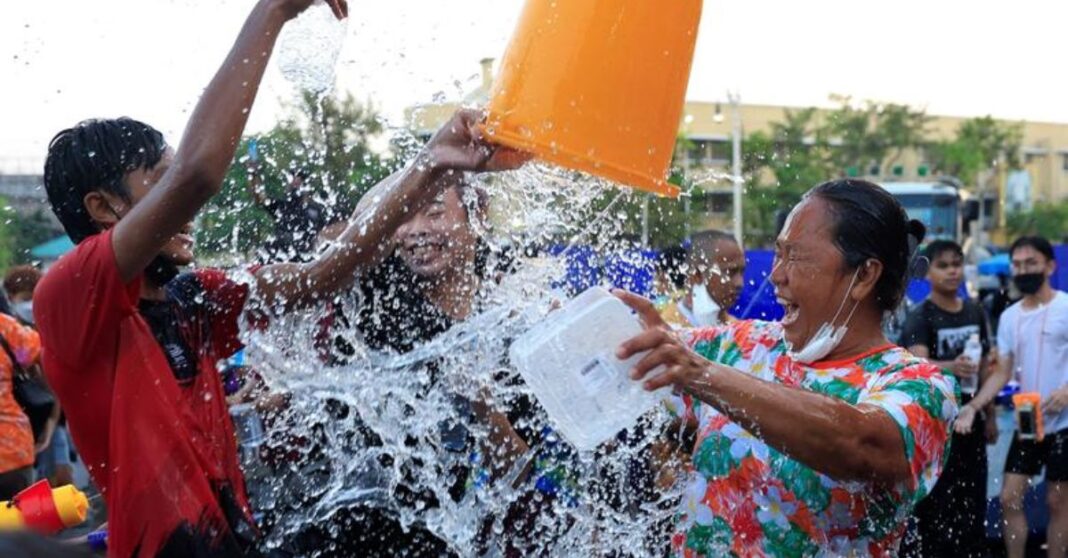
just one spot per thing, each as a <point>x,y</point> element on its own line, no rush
<point>598,86</point>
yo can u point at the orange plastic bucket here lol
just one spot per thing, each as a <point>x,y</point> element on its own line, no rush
<point>598,86</point>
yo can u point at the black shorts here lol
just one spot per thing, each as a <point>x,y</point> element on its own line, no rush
<point>1027,457</point>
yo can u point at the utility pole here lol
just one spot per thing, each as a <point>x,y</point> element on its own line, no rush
<point>736,160</point>
<point>645,220</point>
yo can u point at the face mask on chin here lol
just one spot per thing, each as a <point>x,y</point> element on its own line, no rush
<point>23,311</point>
<point>1029,283</point>
<point>828,336</point>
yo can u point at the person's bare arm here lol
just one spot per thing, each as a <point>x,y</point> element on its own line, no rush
<point>840,440</point>
<point>209,142</point>
<point>993,381</point>
<point>457,147</point>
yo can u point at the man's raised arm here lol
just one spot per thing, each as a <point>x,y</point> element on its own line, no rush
<point>210,139</point>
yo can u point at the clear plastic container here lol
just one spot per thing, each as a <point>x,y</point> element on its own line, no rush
<point>569,362</point>
<point>249,430</point>
<point>309,47</point>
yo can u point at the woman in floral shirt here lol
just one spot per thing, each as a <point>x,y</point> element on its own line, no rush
<point>16,436</point>
<point>815,435</point>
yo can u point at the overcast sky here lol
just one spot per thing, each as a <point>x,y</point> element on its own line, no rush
<point>65,60</point>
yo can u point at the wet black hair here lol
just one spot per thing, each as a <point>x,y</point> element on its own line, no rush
<point>1039,243</point>
<point>938,247</point>
<point>96,155</point>
<point>871,224</point>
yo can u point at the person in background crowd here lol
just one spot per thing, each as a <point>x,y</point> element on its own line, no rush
<point>715,265</point>
<point>296,216</point>
<point>1033,347</point>
<point>21,349</point>
<point>817,436</point>
<point>53,446</point>
<point>950,521</point>
<point>19,283</point>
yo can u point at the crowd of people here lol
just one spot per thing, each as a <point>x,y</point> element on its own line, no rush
<point>811,435</point>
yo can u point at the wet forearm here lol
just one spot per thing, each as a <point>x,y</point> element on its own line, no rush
<point>358,248</point>
<point>994,378</point>
<point>843,441</point>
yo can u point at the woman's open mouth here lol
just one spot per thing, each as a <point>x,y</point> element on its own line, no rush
<point>792,311</point>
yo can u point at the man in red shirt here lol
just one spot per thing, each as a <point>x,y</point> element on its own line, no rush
<point>131,348</point>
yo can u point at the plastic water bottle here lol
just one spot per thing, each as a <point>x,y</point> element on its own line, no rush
<point>249,430</point>
<point>309,46</point>
<point>569,362</point>
<point>973,350</point>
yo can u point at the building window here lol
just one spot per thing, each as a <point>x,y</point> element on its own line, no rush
<point>706,153</point>
<point>716,202</point>
<point>1064,162</point>
<point>719,150</point>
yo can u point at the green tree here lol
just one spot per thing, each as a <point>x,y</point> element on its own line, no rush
<point>330,138</point>
<point>780,166</point>
<point>873,135</point>
<point>29,230</point>
<point>1046,219</point>
<point>804,149</point>
<point>7,239</point>
<point>980,145</point>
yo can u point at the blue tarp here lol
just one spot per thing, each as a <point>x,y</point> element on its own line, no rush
<point>1060,276</point>
<point>52,249</point>
<point>996,265</point>
<point>635,271</point>
<point>757,300</point>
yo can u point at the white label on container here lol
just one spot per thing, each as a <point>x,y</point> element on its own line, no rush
<point>597,375</point>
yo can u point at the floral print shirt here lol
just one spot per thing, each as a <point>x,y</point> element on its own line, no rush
<point>16,436</point>
<point>745,498</point>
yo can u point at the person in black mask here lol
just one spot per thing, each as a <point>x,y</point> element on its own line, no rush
<point>1033,347</point>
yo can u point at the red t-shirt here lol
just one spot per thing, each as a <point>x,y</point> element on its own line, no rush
<point>158,443</point>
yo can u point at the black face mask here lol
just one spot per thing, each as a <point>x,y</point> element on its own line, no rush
<point>1029,283</point>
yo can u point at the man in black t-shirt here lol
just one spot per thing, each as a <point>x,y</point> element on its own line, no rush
<point>949,522</point>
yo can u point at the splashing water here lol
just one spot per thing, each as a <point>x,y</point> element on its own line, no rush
<point>379,426</point>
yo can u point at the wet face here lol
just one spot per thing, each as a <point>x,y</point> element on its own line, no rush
<point>723,275</point>
<point>946,272</point>
<point>439,239</point>
<point>809,272</point>
<point>179,248</point>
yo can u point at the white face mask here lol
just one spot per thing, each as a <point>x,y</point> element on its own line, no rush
<point>23,311</point>
<point>705,309</point>
<point>827,337</point>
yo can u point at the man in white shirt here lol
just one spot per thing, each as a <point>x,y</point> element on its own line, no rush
<point>1033,346</point>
